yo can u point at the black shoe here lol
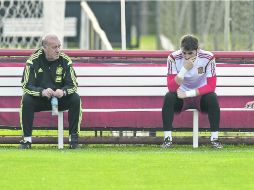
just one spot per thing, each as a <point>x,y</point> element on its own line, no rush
<point>167,143</point>
<point>216,144</point>
<point>25,144</point>
<point>74,142</point>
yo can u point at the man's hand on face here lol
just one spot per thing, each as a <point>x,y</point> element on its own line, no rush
<point>188,63</point>
<point>58,93</point>
<point>47,93</point>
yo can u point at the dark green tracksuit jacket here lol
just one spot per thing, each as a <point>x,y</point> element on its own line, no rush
<point>40,74</point>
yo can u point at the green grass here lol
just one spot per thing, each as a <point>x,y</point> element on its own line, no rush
<point>239,42</point>
<point>127,167</point>
<point>148,42</point>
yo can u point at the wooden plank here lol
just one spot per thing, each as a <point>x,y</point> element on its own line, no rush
<point>121,71</point>
<point>11,71</point>
<point>134,91</point>
<point>133,71</point>
<point>235,91</point>
<point>10,81</point>
<point>127,110</point>
<point>235,71</point>
<point>99,71</point>
<point>156,91</point>
<point>236,109</point>
<point>155,81</point>
<point>155,71</point>
<point>122,81</point>
<point>99,81</point>
<point>134,81</point>
<point>235,81</point>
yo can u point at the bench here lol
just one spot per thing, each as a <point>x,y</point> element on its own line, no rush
<point>116,95</point>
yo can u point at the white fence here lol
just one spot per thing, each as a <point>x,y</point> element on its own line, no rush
<point>91,34</point>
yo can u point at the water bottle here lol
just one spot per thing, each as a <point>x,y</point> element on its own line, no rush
<point>54,104</point>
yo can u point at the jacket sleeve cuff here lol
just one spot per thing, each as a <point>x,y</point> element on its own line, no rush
<point>65,91</point>
<point>41,91</point>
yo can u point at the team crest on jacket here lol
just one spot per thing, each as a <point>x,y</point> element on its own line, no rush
<point>200,70</point>
<point>59,70</point>
<point>58,78</point>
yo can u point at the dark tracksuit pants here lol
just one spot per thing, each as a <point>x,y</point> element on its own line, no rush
<point>208,104</point>
<point>31,104</point>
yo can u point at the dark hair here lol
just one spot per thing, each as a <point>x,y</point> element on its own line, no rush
<point>189,42</point>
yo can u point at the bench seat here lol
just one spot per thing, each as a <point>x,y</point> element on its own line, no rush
<point>129,96</point>
<point>135,87</point>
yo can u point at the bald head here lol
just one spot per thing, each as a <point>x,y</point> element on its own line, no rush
<point>51,46</point>
<point>48,38</point>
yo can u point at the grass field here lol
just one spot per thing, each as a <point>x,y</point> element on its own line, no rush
<point>127,167</point>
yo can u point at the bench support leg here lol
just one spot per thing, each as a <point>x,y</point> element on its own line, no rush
<point>60,130</point>
<point>195,129</point>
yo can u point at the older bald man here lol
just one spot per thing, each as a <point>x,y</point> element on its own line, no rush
<point>49,73</point>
